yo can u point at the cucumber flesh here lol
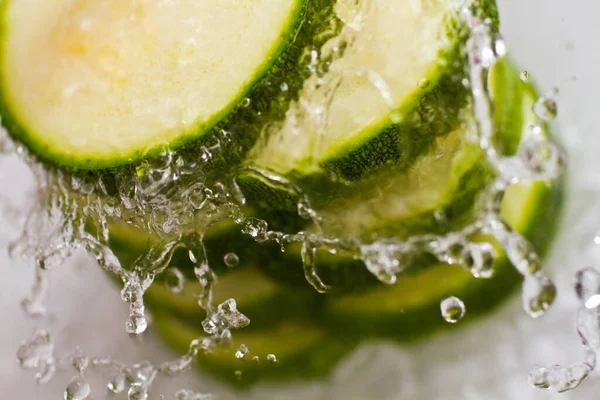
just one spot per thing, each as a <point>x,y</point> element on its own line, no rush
<point>91,85</point>
<point>396,88</point>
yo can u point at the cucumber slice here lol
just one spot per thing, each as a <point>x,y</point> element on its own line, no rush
<point>93,85</point>
<point>258,297</point>
<point>410,308</point>
<point>302,351</point>
<point>397,87</point>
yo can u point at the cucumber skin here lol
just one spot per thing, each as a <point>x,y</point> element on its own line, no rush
<point>481,297</point>
<point>266,103</point>
<point>313,362</point>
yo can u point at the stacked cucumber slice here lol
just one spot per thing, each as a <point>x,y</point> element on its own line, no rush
<point>363,112</point>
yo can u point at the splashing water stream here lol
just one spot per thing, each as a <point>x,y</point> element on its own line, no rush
<point>65,205</point>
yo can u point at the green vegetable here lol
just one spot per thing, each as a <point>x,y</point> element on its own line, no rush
<point>94,85</point>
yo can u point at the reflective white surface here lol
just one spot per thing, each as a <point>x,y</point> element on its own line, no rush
<point>556,41</point>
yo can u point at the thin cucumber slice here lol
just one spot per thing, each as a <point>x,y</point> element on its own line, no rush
<point>397,87</point>
<point>258,297</point>
<point>302,351</point>
<point>93,85</point>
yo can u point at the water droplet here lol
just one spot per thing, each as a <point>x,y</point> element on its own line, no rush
<point>524,76</point>
<point>174,280</point>
<point>587,287</point>
<point>256,359</point>
<point>423,83</point>
<point>558,378</point>
<point>242,352</point>
<point>38,349</point>
<point>137,324</point>
<point>246,102</point>
<point>238,374</point>
<point>272,358</point>
<point>521,254</point>
<point>284,87</point>
<point>228,312</point>
<point>137,391</point>
<point>116,384</point>
<point>231,260</point>
<point>479,258</point>
<point>453,309</point>
<point>382,261</point>
<point>545,108</point>
<point>538,293</point>
<point>77,389</point>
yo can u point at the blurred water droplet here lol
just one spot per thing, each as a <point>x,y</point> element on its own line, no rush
<point>137,391</point>
<point>238,374</point>
<point>116,384</point>
<point>241,352</point>
<point>231,260</point>
<point>246,102</point>
<point>38,353</point>
<point>189,395</point>
<point>479,258</point>
<point>524,76</point>
<point>284,87</point>
<point>538,294</point>
<point>587,287</point>
<point>256,359</point>
<point>545,108</point>
<point>77,389</point>
<point>272,358</point>
<point>557,378</point>
<point>423,83</point>
<point>453,309</point>
<point>521,254</point>
<point>174,280</point>
<point>137,323</point>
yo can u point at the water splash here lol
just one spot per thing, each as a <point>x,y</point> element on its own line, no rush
<point>173,195</point>
<point>38,353</point>
<point>564,378</point>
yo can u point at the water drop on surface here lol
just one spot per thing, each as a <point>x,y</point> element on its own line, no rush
<point>587,287</point>
<point>238,374</point>
<point>423,83</point>
<point>272,358</point>
<point>77,389</point>
<point>174,280</point>
<point>246,102</point>
<point>453,309</point>
<point>524,76</point>
<point>231,260</point>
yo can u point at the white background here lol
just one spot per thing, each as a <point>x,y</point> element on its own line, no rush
<point>556,41</point>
